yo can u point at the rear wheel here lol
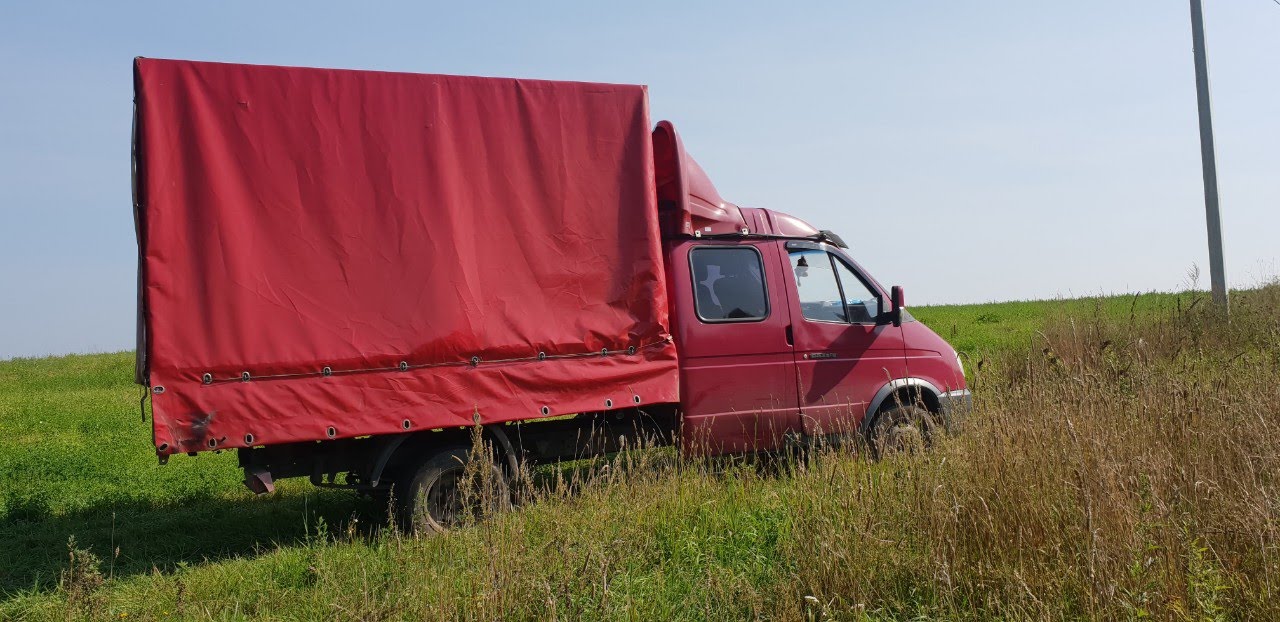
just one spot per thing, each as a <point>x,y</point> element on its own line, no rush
<point>442,493</point>
<point>901,429</point>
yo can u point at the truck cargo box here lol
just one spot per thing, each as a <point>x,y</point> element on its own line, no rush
<point>330,254</point>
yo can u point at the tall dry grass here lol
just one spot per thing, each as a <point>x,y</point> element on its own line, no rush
<point>1123,470</point>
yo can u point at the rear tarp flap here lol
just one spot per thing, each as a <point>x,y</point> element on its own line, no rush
<point>381,250</point>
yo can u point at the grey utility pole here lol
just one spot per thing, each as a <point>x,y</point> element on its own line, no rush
<point>1217,274</point>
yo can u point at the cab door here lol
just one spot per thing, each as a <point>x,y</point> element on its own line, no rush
<point>737,367</point>
<point>845,349</point>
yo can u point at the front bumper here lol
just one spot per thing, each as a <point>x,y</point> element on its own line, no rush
<point>955,406</point>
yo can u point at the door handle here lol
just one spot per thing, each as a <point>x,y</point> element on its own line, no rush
<point>791,340</point>
<point>820,355</point>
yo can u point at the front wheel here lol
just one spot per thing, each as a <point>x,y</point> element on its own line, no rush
<point>901,429</point>
<point>442,493</point>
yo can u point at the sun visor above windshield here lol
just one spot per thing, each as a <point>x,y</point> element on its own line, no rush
<point>688,202</point>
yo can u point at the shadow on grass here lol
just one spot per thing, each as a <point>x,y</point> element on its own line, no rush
<point>161,537</point>
<point>164,536</point>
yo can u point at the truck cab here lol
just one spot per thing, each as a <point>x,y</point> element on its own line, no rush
<point>781,333</point>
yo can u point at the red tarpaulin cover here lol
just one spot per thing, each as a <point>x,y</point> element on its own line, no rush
<point>374,249</point>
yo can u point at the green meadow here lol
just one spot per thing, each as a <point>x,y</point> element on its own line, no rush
<point>1121,462</point>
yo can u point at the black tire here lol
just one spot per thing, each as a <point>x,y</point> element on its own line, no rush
<point>907,428</point>
<point>429,498</point>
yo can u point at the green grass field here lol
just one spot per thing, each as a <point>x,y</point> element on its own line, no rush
<point>1101,530</point>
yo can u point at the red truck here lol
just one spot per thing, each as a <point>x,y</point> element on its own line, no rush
<point>343,273</point>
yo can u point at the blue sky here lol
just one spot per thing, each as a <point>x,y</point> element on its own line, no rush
<point>969,151</point>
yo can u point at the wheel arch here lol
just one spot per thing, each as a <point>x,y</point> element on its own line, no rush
<point>405,449</point>
<point>904,391</point>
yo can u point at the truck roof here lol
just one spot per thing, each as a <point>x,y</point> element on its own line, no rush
<point>689,204</point>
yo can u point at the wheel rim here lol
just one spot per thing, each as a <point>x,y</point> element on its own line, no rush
<point>906,434</point>
<point>905,437</point>
<point>442,501</point>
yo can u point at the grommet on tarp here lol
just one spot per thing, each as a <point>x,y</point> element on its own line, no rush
<point>331,432</point>
<point>697,234</point>
<point>213,442</point>
<point>248,439</point>
<point>631,350</point>
<point>545,410</point>
<point>604,352</point>
<point>542,356</point>
<point>745,231</point>
<point>475,360</point>
<point>244,376</point>
<point>406,424</point>
<point>163,447</point>
<point>404,365</point>
<point>635,398</point>
<point>157,390</point>
<point>608,403</point>
<point>207,378</point>
<point>328,371</point>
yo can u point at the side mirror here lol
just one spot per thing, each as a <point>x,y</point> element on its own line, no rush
<point>897,302</point>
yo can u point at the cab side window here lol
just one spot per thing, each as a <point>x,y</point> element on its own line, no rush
<point>829,291</point>
<point>728,284</point>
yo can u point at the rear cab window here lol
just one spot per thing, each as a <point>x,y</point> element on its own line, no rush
<point>728,284</point>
